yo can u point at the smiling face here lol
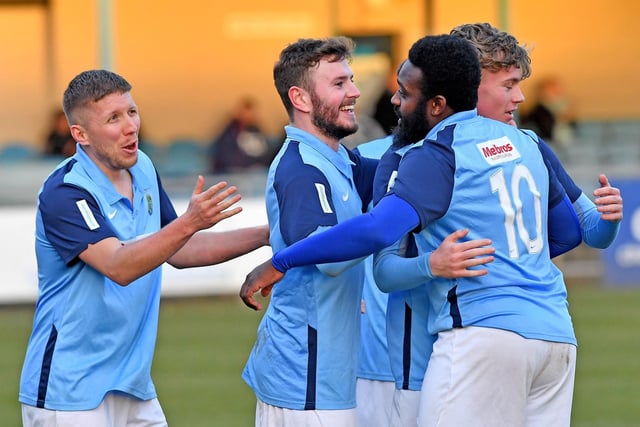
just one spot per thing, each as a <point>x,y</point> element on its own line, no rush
<point>410,105</point>
<point>107,130</point>
<point>333,99</point>
<point>499,94</point>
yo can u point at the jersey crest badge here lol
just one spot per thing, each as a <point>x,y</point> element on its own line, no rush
<point>149,204</point>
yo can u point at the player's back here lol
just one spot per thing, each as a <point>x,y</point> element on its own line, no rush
<point>498,188</point>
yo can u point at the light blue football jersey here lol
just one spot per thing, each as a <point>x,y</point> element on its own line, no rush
<point>491,178</point>
<point>306,352</point>
<point>91,335</point>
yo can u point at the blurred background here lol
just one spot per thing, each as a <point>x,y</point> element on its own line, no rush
<point>202,70</point>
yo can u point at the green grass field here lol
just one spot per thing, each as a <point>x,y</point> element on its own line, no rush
<point>203,344</point>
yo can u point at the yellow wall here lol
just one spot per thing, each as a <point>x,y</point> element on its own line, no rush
<point>190,60</point>
<point>23,82</point>
<point>590,45</point>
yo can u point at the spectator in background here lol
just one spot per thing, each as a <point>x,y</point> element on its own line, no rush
<point>59,141</point>
<point>384,112</point>
<point>552,117</point>
<point>241,144</point>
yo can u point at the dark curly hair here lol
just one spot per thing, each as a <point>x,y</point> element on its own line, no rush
<point>449,68</point>
<point>496,49</point>
<point>297,59</point>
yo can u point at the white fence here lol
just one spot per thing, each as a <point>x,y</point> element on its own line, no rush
<point>19,275</point>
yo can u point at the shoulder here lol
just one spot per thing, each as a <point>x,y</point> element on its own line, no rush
<point>376,148</point>
<point>66,178</point>
<point>296,165</point>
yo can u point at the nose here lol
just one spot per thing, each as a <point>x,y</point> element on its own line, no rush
<point>395,99</point>
<point>132,125</point>
<point>518,96</point>
<point>354,92</point>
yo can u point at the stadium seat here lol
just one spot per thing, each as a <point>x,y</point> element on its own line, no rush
<point>184,157</point>
<point>17,152</point>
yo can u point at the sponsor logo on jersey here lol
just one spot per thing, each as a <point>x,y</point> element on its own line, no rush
<point>498,151</point>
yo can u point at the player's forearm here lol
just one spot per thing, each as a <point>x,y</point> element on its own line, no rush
<point>596,232</point>
<point>209,248</point>
<point>124,262</point>
<point>393,272</point>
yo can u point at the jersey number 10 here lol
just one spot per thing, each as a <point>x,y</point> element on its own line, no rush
<point>511,204</point>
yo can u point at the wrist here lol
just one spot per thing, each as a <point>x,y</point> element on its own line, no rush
<point>277,264</point>
<point>428,273</point>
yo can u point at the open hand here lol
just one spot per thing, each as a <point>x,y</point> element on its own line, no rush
<point>452,259</point>
<point>207,208</point>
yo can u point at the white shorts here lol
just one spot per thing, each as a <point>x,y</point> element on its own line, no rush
<point>374,400</point>
<point>274,416</point>
<point>116,410</point>
<point>491,377</point>
<point>405,408</point>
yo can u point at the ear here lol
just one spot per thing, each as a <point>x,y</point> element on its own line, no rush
<point>300,99</point>
<point>79,134</point>
<point>437,105</point>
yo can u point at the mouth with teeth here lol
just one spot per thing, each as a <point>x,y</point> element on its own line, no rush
<point>348,108</point>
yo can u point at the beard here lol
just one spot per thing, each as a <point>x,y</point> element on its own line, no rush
<point>325,119</point>
<point>412,127</point>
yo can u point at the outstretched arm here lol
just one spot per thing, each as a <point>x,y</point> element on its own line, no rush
<point>125,262</point>
<point>357,237</point>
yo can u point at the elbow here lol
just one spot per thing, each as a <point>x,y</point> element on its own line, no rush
<point>120,279</point>
<point>177,265</point>
<point>177,262</point>
<point>382,281</point>
<point>383,285</point>
<point>576,239</point>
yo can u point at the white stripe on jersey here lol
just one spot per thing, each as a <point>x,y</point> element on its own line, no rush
<point>322,196</point>
<point>86,213</point>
